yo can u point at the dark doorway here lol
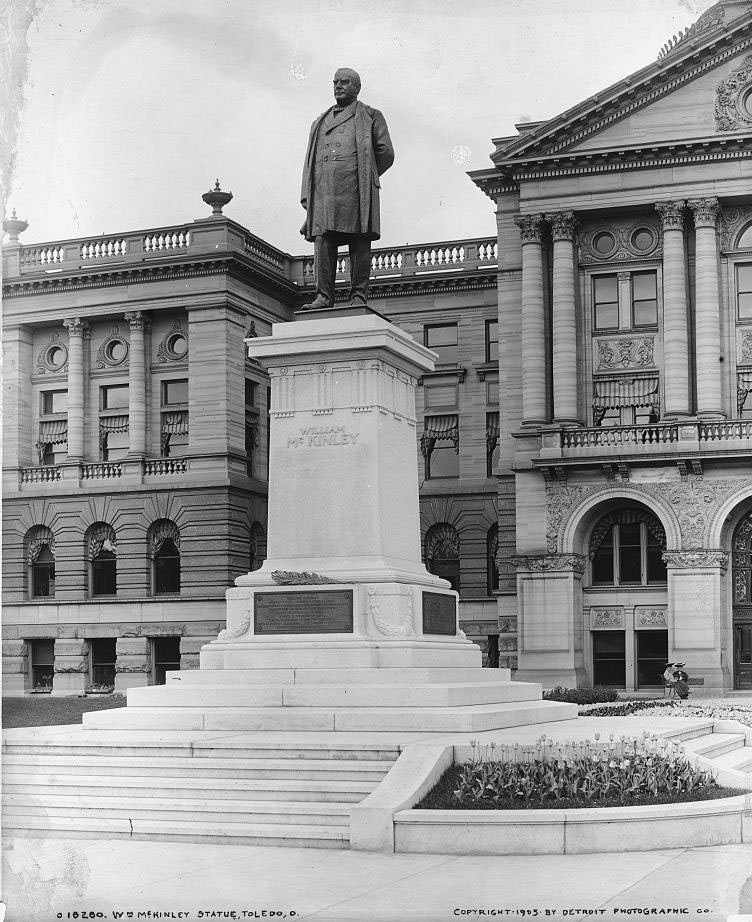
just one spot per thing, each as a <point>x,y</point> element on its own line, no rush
<point>609,661</point>
<point>166,656</point>
<point>651,648</point>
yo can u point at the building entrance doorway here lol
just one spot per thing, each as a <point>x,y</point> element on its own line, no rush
<point>741,582</point>
<point>609,660</point>
<point>651,648</point>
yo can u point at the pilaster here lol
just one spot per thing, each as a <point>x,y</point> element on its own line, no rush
<point>17,410</point>
<point>78,331</point>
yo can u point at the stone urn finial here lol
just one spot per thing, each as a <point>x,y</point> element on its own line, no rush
<point>217,198</point>
<point>13,226</point>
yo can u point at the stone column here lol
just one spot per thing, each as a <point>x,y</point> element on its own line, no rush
<point>707,309</point>
<point>564,318</point>
<point>78,331</point>
<point>694,609</point>
<point>675,320</point>
<point>534,412</point>
<point>136,386</point>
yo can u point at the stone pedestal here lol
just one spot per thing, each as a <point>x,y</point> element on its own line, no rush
<point>16,677</point>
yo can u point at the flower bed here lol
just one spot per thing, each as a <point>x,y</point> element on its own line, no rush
<point>581,695</point>
<point>739,712</point>
<point>549,775</point>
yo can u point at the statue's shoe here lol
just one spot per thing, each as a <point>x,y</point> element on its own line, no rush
<point>316,305</point>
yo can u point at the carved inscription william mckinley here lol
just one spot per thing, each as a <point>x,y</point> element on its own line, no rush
<point>319,436</point>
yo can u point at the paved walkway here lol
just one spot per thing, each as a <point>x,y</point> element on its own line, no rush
<point>44,880</point>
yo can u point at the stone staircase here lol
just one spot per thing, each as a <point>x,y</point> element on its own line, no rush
<point>273,756</point>
<point>719,747</point>
<point>239,789</point>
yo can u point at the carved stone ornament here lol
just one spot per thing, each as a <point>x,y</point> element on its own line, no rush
<point>114,349</point>
<point>132,667</point>
<point>563,224</point>
<point>550,562</point>
<point>405,627</point>
<point>606,617</point>
<point>237,630</point>
<point>79,667</point>
<point>136,320</point>
<point>650,617</point>
<point>614,243</point>
<point>291,578</point>
<point>734,219</point>
<point>53,356</point>
<point>733,99</point>
<point>745,354</point>
<point>705,211</point>
<point>692,560</point>
<point>174,345</point>
<point>531,227</point>
<point>76,327</point>
<point>694,503</point>
<point>672,214</point>
<point>626,353</point>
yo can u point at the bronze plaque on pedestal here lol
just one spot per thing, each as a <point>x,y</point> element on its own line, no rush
<point>307,611</point>
<point>439,613</point>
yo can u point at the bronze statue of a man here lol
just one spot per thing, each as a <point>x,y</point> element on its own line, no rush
<point>348,149</point>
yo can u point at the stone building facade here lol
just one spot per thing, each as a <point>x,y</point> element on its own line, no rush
<point>625,329</point>
<point>135,438</point>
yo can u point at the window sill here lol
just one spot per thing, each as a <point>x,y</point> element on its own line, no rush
<point>487,368</point>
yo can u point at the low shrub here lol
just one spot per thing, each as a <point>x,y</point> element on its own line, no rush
<point>581,695</point>
<point>626,708</point>
<point>618,772</point>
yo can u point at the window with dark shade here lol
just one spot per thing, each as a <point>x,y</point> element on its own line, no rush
<point>492,340</point>
<point>42,664</point>
<point>102,657</point>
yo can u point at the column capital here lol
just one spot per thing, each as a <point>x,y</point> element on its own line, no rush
<point>696,559</point>
<point>137,320</point>
<point>563,224</point>
<point>672,214</point>
<point>77,327</point>
<point>705,211</point>
<point>531,227</point>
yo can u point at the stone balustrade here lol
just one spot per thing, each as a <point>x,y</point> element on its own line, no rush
<point>103,470</point>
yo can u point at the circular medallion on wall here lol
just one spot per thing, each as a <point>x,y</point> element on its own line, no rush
<point>53,357</point>
<point>643,240</point>
<point>604,244</point>
<point>113,351</point>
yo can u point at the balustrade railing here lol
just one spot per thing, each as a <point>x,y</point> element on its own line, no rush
<point>104,249</point>
<point>619,435</point>
<point>40,474</point>
<point>101,471</point>
<point>177,240</point>
<point>735,429</point>
<point>154,466</point>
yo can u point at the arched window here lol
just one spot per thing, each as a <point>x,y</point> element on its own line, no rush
<point>443,553</point>
<point>626,549</point>
<point>40,562</point>
<point>101,554</point>
<point>258,545</point>
<point>164,550</point>
<point>492,566</point>
<point>745,240</point>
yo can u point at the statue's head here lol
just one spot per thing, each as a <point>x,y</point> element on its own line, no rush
<point>346,86</point>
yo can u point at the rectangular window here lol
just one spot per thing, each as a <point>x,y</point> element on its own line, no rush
<point>114,446</point>
<point>251,393</point>
<point>102,659</point>
<point>744,291</point>
<point>492,340</point>
<point>443,461</point>
<point>443,340</point>
<point>54,402</point>
<point>644,299</point>
<point>630,554</point>
<point>652,654</point>
<point>440,395</point>
<point>165,655</point>
<point>42,664</point>
<point>492,393</point>
<point>174,393</point>
<point>114,397</point>
<point>606,302</point>
<point>609,659</point>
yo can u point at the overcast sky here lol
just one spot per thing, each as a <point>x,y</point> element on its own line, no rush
<point>133,107</point>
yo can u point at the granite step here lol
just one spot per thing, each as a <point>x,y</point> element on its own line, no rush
<point>688,733</point>
<point>45,784</point>
<point>336,696</point>
<point>714,744</point>
<point>404,675</point>
<point>467,719</point>
<point>739,760</point>
<point>15,764</point>
<point>288,835</point>
<point>179,809</point>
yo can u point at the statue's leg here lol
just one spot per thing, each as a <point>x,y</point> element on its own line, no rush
<point>325,265</point>
<point>360,268</point>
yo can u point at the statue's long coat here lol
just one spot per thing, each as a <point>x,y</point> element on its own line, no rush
<point>375,156</point>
